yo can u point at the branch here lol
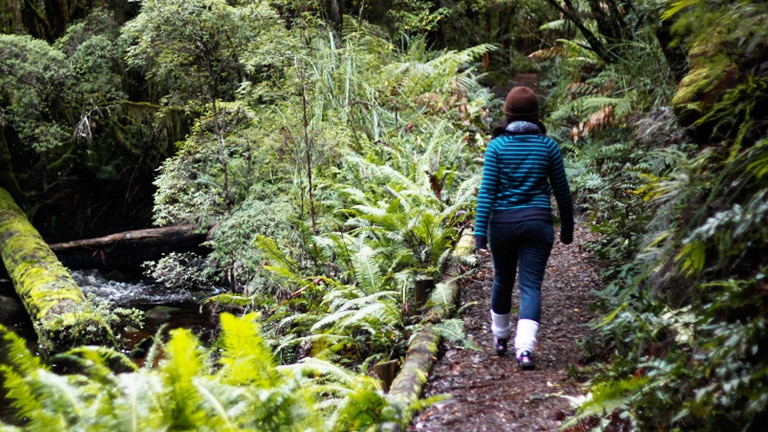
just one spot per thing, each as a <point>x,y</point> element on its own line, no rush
<point>594,43</point>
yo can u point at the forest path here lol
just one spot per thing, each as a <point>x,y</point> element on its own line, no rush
<point>490,393</point>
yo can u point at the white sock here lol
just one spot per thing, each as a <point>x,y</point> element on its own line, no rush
<point>525,337</point>
<point>500,325</point>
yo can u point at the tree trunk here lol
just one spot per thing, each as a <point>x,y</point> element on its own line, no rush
<point>572,14</point>
<point>335,15</point>
<point>55,303</point>
<point>126,251</point>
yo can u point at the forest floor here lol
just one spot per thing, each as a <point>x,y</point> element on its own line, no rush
<point>491,393</point>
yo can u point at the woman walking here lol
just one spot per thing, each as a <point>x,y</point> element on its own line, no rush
<point>521,170</point>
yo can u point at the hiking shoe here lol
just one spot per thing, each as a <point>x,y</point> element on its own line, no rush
<point>500,345</point>
<point>525,360</point>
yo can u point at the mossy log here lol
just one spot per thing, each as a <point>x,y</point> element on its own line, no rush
<point>407,386</point>
<point>56,305</point>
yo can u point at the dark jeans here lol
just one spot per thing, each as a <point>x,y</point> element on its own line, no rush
<point>525,245</point>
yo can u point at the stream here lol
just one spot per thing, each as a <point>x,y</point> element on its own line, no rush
<point>162,306</point>
<point>174,308</point>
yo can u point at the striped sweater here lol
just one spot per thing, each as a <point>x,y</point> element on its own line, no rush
<point>521,170</point>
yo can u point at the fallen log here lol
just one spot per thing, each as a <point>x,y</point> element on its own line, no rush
<point>60,312</point>
<point>128,250</point>
<point>407,386</point>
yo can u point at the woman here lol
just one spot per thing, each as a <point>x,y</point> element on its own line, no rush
<point>522,168</point>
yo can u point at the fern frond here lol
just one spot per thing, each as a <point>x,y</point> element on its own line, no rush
<point>245,357</point>
<point>759,164</point>
<point>226,405</point>
<point>19,372</point>
<point>677,7</point>
<point>453,330</point>
<point>609,396</point>
<point>342,308</point>
<point>17,354</point>
<point>140,406</point>
<point>367,272</point>
<point>98,361</point>
<point>65,395</point>
<point>692,257</point>
<point>373,317</point>
<point>318,368</point>
<point>185,361</point>
<point>595,103</point>
<point>279,258</point>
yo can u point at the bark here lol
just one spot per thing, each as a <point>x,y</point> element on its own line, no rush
<point>334,10</point>
<point>128,250</point>
<point>56,305</point>
<point>407,386</point>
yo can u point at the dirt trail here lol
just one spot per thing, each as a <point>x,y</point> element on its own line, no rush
<point>490,393</point>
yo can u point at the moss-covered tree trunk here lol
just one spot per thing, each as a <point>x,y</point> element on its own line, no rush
<point>57,306</point>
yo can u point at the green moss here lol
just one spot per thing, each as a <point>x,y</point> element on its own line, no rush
<point>701,87</point>
<point>58,308</point>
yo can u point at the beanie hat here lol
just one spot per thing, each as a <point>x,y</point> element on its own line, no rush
<point>521,104</point>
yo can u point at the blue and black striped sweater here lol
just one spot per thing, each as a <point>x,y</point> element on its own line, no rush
<point>521,170</point>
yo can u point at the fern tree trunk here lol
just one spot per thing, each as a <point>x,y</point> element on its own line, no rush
<point>56,304</point>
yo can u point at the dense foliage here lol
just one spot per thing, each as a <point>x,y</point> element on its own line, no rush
<point>241,387</point>
<point>682,213</point>
<point>333,147</point>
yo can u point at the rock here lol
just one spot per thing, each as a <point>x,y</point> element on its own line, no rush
<point>160,313</point>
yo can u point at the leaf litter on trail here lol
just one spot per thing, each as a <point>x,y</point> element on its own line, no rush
<point>490,393</point>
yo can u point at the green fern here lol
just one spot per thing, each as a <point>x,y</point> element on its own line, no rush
<point>20,365</point>
<point>246,358</point>
<point>607,397</point>
<point>622,106</point>
<point>240,388</point>
<point>759,164</point>
<point>453,330</point>
<point>185,361</point>
<point>677,7</point>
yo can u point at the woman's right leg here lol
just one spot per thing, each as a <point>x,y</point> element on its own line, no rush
<point>537,238</point>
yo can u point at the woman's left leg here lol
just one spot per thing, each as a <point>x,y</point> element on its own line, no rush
<point>537,239</point>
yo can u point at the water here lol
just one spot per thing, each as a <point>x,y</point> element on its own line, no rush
<point>164,308</point>
<point>138,294</point>
<point>172,308</point>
